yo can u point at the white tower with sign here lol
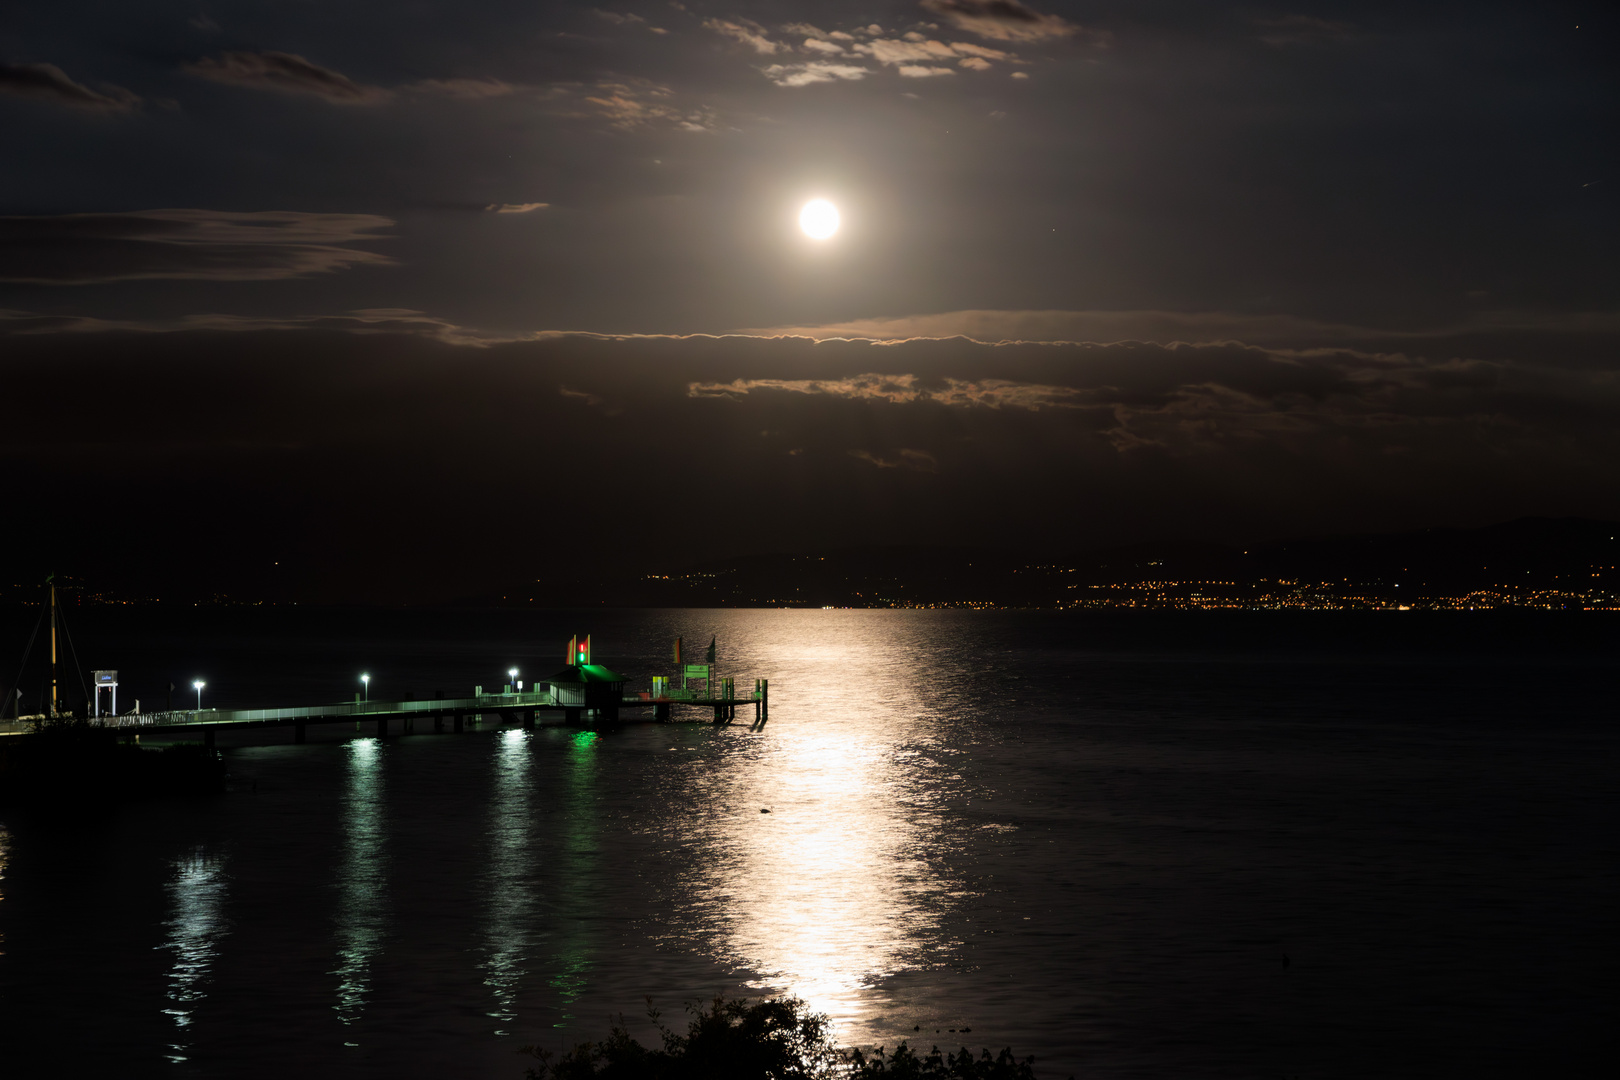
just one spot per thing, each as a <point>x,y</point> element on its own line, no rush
<point>107,680</point>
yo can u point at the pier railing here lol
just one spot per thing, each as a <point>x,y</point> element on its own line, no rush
<point>336,711</point>
<point>722,695</point>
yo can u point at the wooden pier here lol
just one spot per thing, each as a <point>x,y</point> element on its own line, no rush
<point>400,716</point>
<point>581,692</point>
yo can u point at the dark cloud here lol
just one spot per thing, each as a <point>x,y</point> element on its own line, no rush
<point>1001,20</point>
<point>47,82</point>
<point>82,249</point>
<point>465,89</point>
<point>1300,29</point>
<point>826,444</point>
<point>287,73</point>
<point>904,458</point>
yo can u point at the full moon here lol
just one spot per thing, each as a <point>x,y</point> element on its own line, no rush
<point>818,219</point>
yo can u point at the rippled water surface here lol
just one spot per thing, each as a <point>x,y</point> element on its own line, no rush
<point>1149,846</point>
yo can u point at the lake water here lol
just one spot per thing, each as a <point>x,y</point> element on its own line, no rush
<point>1131,845</point>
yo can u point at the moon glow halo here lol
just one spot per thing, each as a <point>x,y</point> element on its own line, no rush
<point>819,219</point>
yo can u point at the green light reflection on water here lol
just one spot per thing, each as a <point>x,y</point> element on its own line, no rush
<point>572,959</point>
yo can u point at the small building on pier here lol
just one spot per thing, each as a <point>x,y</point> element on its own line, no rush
<point>586,685</point>
<point>589,686</point>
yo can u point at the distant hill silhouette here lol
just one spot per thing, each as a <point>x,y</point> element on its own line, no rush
<point>1535,561</point>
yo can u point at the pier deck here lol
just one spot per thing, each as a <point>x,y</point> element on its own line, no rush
<point>520,706</point>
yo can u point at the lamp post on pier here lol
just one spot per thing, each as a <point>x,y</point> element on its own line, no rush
<point>365,680</point>
<point>197,685</point>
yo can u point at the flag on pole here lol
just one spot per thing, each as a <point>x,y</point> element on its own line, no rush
<point>573,651</point>
<point>587,648</point>
<point>710,658</point>
<point>677,652</point>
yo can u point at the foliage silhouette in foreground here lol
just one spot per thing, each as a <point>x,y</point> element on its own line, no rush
<point>775,1039</point>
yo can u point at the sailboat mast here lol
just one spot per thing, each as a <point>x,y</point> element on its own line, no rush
<point>53,647</point>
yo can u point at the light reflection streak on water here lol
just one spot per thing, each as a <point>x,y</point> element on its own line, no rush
<point>197,898</point>
<point>362,879</point>
<point>846,881</point>
<point>4,847</point>
<point>571,961</point>
<point>510,882</point>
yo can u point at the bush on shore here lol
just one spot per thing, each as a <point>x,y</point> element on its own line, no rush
<point>774,1039</point>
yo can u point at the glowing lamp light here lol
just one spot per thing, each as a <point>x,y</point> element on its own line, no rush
<point>365,681</point>
<point>197,685</point>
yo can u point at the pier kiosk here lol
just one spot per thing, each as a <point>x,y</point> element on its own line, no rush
<point>586,689</point>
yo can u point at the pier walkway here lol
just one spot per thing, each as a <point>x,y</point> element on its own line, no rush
<point>519,707</point>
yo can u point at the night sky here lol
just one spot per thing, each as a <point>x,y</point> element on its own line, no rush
<point>371,301</point>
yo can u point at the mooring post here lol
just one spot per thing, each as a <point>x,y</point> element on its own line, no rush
<point>298,732</point>
<point>764,700</point>
<point>661,712</point>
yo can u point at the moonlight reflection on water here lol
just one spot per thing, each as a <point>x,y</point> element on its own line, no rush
<point>844,882</point>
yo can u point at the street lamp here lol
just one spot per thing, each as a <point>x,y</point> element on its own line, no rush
<point>366,681</point>
<point>197,685</point>
<point>511,673</point>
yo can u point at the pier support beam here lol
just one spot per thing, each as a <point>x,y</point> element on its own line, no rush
<point>382,727</point>
<point>208,737</point>
<point>528,719</point>
<point>571,716</point>
<point>661,712</point>
<point>460,723</point>
<point>298,733</point>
